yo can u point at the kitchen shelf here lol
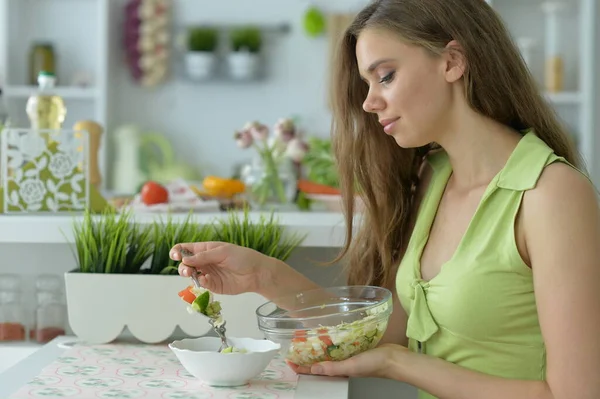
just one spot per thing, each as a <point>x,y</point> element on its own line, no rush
<point>264,28</point>
<point>567,97</point>
<point>577,105</point>
<point>81,46</point>
<point>66,92</point>
<point>322,229</point>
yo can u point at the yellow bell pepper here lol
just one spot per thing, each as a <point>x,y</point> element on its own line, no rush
<point>221,187</point>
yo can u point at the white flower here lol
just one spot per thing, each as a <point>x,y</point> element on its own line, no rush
<point>60,165</point>
<point>285,130</point>
<point>258,131</point>
<point>32,191</point>
<point>296,149</point>
<point>243,138</point>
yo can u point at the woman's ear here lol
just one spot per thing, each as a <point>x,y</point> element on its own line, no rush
<point>455,61</point>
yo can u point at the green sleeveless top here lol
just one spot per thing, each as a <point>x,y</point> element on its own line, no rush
<point>480,311</point>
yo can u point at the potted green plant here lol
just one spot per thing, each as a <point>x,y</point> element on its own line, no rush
<point>243,59</point>
<point>201,58</point>
<point>125,277</point>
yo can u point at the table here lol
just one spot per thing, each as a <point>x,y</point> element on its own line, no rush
<point>309,387</point>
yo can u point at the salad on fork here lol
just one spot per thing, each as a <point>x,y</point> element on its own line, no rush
<point>200,300</point>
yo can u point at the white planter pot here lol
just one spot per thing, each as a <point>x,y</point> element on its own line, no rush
<point>243,65</point>
<point>200,65</point>
<point>100,306</point>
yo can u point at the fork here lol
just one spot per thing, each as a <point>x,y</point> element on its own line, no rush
<point>220,330</point>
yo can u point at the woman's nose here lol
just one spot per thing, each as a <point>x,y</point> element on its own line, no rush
<point>373,103</point>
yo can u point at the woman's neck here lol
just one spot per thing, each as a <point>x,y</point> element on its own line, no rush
<point>478,148</point>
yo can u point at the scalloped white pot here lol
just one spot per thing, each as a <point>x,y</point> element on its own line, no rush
<point>100,306</point>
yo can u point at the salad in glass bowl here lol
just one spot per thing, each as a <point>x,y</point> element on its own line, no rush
<point>327,324</point>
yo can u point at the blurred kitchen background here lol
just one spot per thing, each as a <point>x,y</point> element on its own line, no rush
<point>122,72</point>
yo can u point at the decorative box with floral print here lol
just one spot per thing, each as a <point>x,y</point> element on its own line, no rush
<point>44,170</point>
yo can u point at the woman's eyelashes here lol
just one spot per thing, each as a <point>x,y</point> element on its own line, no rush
<point>387,78</point>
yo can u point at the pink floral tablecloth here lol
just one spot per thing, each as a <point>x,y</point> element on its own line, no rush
<point>127,371</point>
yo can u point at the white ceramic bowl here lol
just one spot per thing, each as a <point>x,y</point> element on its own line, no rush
<point>200,358</point>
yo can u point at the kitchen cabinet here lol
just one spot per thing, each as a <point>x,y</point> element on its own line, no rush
<point>80,35</point>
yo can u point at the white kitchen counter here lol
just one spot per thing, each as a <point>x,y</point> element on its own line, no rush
<point>13,352</point>
<point>11,380</point>
<point>323,229</point>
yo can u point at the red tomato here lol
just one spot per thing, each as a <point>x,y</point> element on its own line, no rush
<point>154,193</point>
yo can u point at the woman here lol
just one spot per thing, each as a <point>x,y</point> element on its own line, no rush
<point>489,239</point>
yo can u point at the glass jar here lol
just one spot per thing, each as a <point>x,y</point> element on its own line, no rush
<point>51,311</point>
<point>270,183</point>
<point>12,325</point>
<point>41,58</point>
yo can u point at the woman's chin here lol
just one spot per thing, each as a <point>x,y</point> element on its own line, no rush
<point>407,141</point>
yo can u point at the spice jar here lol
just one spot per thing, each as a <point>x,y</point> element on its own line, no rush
<point>555,68</point>
<point>51,311</point>
<point>41,58</point>
<point>12,326</point>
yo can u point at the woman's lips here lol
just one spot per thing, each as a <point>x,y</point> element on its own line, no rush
<point>388,124</point>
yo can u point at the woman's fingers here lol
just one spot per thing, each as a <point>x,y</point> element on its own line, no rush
<point>194,248</point>
<point>184,270</point>
<point>175,252</point>
<point>206,258</point>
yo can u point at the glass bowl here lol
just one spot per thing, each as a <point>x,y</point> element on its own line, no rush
<point>326,323</point>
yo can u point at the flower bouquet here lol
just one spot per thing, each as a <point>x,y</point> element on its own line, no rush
<point>272,176</point>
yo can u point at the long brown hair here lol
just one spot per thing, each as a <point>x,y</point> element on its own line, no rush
<point>497,85</point>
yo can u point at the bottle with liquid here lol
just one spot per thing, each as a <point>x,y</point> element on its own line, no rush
<point>45,109</point>
<point>12,325</point>
<point>554,63</point>
<point>51,311</point>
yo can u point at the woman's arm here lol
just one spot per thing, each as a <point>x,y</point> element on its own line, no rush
<point>280,281</point>
<point>561,221</point>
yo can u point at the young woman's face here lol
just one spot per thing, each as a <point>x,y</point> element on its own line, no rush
<point>409,89</point>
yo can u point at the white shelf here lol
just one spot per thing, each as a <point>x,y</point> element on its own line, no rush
<point>322,229</point>
<point>577,106</point>
<point>567,97</point>
<point>68,93</point>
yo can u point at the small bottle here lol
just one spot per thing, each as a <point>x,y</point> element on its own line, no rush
<point>45,109</point>
<point>12,326</point>
<point>554,63</point>
<point>51,311</point>
<point>41,58</point>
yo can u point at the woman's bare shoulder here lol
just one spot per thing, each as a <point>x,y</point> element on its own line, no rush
<point>562,197</point>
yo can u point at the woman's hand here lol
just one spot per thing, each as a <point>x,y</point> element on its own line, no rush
<point>376,363</point>
<point>225,268</point>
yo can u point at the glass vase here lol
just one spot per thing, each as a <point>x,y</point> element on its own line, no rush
<point>271,183</point>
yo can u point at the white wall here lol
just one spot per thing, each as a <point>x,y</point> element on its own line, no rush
<point>200,118</point>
